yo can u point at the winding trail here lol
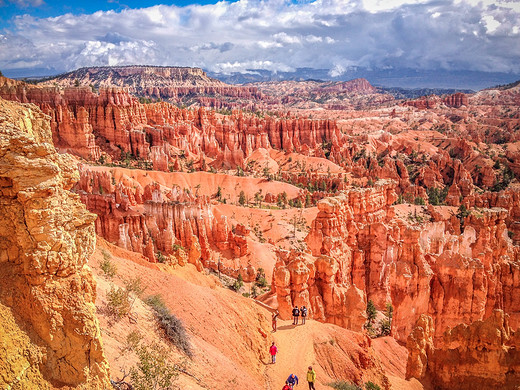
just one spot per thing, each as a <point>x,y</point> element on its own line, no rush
<point>295,353</point>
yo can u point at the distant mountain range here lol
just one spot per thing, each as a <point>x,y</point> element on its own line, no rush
<point>392,79</point>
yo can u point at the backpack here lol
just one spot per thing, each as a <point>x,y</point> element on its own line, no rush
<point>296,312</point>
<point>304,312</point>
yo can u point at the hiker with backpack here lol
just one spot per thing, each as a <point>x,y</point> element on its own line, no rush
<point>311,378</point>
<point>273,350</point>
<point>274,319</point>
<point>286,387</point>
<point>296,314</point>
<point>292,380</point>
<point>303,312</point>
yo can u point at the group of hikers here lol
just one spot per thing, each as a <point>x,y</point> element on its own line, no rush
<point>293,379</point>
<point>296,313</point>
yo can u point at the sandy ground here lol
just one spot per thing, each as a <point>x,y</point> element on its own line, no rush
<point>295,353</point>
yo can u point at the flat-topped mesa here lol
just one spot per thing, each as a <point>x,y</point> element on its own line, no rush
<point>164,82</point>
<point>133,76</point>
<point>163,224</point>
<point>455,100</point>
<point>456,271</point>
<point>50,333</point>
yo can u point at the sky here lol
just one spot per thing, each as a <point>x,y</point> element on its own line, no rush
<point>276,35</point>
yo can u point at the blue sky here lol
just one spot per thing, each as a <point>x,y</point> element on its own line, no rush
<point>45,9</point>
<point>276,35</point>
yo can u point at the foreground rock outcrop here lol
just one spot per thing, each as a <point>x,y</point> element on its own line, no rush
<point>50,334</point>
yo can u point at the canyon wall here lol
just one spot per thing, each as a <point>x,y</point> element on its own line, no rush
<point>113,123</point>
<point>483,354</point>
<point>455,270</point>
<point>164,224</point>
<point>50,334</point>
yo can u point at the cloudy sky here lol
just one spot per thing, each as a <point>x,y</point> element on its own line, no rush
<point>277,35</point>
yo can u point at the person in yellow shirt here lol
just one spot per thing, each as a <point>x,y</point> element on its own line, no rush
<point>311,378</point>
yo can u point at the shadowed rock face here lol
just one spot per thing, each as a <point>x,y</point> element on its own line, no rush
<point>46,237</point>
<point>483,354</point>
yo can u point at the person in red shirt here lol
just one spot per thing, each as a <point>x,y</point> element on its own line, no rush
<point>273,350</point>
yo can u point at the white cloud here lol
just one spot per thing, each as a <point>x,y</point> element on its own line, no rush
<point>337,70</point>
<point>313,38</point>
<point>277,35</point>
<point>385,5</point>
<point>246,66</point>
<point>491,23</point>
<point>285,38</point>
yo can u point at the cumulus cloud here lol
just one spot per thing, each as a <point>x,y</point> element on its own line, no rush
<point>276,35</point>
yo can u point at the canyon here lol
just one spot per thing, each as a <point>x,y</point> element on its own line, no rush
<point>412,205</point>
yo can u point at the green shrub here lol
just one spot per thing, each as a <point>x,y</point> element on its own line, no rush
<point>371,311</point>
<point>118,302</point>
<point>343,385</point>
<point>171,325</point>
<point>437,197</point>
<point>386,327</point>
<point>133,339</point>
<point>419,201</point>
<point>261,282</point>
<point>107,266</point>
<point>134,286</point>
<point>238,283</point>
<point>371,386</point>
<point>242,198</point>
<point>161,258</point>
<point>153,371</point>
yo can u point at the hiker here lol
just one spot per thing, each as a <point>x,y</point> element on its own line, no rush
<point>286,387</point>
<point>292,380</point>
<point>274,318</point>
<point>273,350</point>
<point>311,378</point>
<point>296,314</point>
<point>304,314</point>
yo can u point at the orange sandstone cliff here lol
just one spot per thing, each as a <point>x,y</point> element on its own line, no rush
<point>457,270</point>
<point>483,354</point>
<point>49,334</point>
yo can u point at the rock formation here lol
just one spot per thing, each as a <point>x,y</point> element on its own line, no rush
<point>483,354</point>
<point>86,124</point>
<point>46,237</point>
<point>157,82</point>
<point>454,269</point>
<point>164,224</point>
